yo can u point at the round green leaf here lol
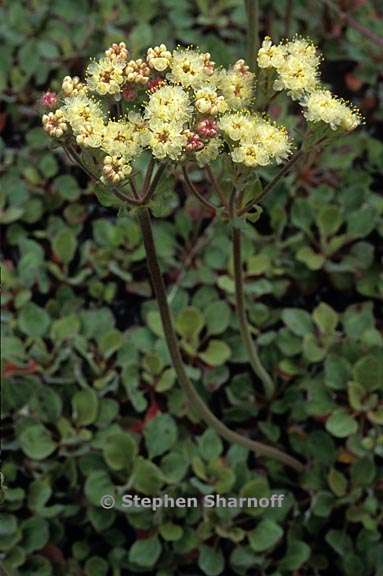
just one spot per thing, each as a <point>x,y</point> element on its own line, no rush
<point>33,320</point>
<point>85,406</point>
<point>265,535</point>
<point>211,561</point>
<point>341,424</point>
<point>119,451</point>
<point>145,553</point>
<point>216,354</point>
<point>36,442</point>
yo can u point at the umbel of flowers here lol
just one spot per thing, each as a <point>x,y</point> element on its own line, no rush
<point>182,108</point>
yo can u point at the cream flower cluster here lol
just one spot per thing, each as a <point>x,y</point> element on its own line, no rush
<point>254,141</point>
<point>297,66</point>
<point>178,105</point>
<point>322,106</point>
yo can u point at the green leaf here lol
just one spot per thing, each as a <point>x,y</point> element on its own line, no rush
<point>211,561</point>
<point>64,244</point>
<point>96,566</point>
<point>217,316</point>
<point>120,451</point>
<point>189,323</point>
<point>341,424</point>
<point>98,484</point>
<point>153,320</point>
<point>313,260</point>
<point>297,554</point>
<point>325,318</point>
<point>329,220</point>
<point>170,532</point>
<point>210,445</point>
<point>39,493</point>
<point>85,407</point>
<point>368,372</point>
<point>216,354</point>
<point>147,477</point>
<point>33,320</point>
<point>337,482</point>
<point>35,534</point>
<point>160,434</point>
<point>145,553</point>
<point>337,372</point>
<point>299,321</point>
<point>362,222</point>
<point>67,187</point>
<point>258,264</point>
<point>265,536</point>
<point>65,328</point>
<point>110,342</point>
<point>36,442</point>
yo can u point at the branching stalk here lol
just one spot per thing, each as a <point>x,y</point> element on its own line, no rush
<point>250,346</point>
<point>271,185</point>
<point>195,192</point>
<point>195,400</point>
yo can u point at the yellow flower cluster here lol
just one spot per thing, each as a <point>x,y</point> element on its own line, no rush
<point>296,63</point>
<point>237,85</point>
<point>178,105</point>
<point>322,106</point>
<point>191,68</point>
<point>254,140</point>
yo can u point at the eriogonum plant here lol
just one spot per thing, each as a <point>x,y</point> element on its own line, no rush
<point>179,109</point>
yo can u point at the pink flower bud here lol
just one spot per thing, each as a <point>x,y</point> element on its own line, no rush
<point>194,142</point>
<point>129,93</point>
<point>207,128</point>
<point>49,99</point>
<point>155,83</point>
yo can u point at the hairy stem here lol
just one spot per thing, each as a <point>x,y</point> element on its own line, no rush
<point>195,400</point>
<point>250,346</point>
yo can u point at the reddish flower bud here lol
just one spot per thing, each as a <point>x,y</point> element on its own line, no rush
<point>155,83</point>
<point>194,142</point>
<point>207,128</point>
<point>49,99</point>
<point>129,93</point>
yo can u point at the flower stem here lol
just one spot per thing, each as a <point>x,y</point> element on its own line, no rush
<point>252,12</point>
<point>251,348</point>
<point>171,339</point>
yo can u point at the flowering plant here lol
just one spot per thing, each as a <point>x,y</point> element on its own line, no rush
<point>181,108</point>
